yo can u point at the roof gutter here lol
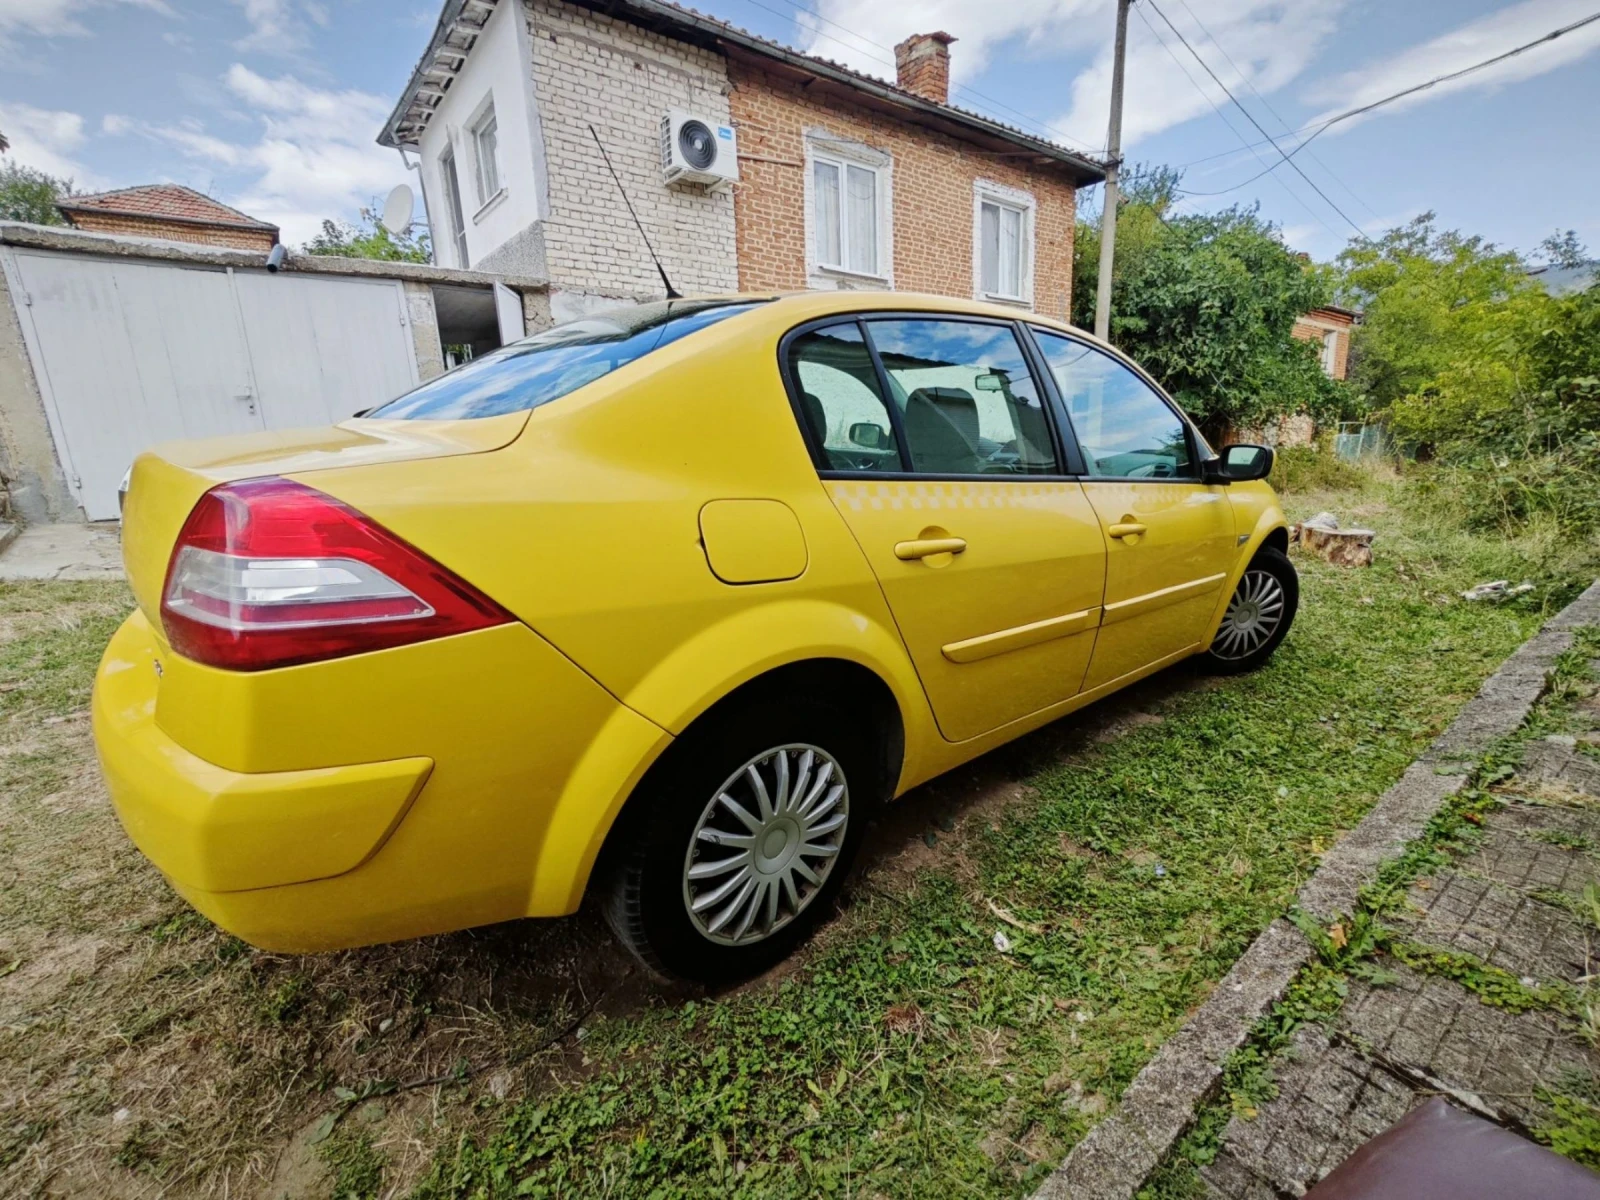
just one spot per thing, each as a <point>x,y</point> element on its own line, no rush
<point>448,16</point>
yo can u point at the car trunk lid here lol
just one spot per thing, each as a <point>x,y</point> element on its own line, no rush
<point>168,480</point>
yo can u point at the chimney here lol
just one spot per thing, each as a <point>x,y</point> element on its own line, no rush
<point>922,65</point>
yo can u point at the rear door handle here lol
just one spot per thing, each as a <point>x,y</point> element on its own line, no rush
<point>927,547</point>
<point>1126,529</point>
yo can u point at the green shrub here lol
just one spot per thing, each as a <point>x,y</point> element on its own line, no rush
<point>1314,469</point>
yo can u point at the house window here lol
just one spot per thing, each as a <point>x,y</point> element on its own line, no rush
<point>452,205</point>
<point>1002,243</point>
<point>848,209</point>
<point>484,146</point>
<point>1330,351</point>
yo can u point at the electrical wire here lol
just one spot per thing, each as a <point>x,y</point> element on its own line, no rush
<point>1360,233</point>
<point>1267,104</point>
<point>1223,117</point>
<point>1318,128</point>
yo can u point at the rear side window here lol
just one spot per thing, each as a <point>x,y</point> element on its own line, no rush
<point>969,404</point>
<point>840,400</point>
<point>548,365</point>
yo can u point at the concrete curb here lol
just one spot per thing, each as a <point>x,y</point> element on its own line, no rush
<point>1117,1156</point>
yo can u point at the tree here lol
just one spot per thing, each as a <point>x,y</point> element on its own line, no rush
<point>371,240</point>
<point>1564,250</point>
<point>1434,301</point>
<point>1206,303</point>
<point>27,194</point>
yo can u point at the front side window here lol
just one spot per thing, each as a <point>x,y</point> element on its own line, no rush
<point>551,364</point>
<point>968,402</point>
<point>485,142</point>
<point>1330,351</point>
<point>845,215</point>
<point>1126,430</point>
<point>841,402</point>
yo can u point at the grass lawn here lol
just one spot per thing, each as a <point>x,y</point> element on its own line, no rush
<point>1023,934</point>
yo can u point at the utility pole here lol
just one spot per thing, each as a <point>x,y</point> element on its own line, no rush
<point>1108,216</point>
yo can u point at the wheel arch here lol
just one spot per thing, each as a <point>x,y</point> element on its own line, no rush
<point>847,683</point>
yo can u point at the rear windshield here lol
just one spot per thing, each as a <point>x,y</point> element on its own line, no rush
<point>548,365</point>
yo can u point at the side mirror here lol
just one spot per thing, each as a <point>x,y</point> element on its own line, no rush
<point>1240,464</point>
<point>869,436</point>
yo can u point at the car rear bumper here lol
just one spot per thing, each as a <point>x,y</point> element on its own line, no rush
<point>519,766</point>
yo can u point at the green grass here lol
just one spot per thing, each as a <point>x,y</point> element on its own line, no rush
<point>1147,866</point>
<point>904,1055</point>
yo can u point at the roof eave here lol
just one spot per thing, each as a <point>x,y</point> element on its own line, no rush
<point>678,22</point>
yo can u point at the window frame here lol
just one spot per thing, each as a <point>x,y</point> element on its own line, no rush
<point>1198,449</point>
<point>821,146</point>
<point>476,129</point>
<point>450,184</point>
<point>984,192</point>
<point>1062,442</point>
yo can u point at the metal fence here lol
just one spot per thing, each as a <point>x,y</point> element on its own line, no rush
<point>1360,439</point>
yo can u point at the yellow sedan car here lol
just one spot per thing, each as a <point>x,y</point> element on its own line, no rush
<point>661,603</point>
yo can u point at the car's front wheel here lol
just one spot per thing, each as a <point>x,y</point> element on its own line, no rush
<point>740,844</point>
<point>1259,614</point>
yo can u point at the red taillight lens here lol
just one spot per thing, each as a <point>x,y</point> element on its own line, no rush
<point>269,572</point>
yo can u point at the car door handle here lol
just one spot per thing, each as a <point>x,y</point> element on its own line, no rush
<point>1126,529</point>
<point>927,547</point>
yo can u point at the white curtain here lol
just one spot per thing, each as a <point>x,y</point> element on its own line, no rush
<point>989,257</point>
<point>825,193</point>
<point>861,211</point>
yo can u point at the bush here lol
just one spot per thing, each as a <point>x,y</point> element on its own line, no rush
<point>1314,469</point>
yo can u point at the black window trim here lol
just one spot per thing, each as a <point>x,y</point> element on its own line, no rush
<point>1064,414</point>
<point>1063,443</point>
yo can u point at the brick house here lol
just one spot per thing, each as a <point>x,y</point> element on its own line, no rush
<point>1330,327</point>
<point>842,180</point>
<point>171,212</point>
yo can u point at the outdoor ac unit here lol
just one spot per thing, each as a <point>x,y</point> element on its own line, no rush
<point>698,150</point>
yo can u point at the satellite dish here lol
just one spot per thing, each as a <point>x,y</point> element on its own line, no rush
<point>397,210</point>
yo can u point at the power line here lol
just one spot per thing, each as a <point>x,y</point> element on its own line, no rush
<point>1267,104</point>
<point>1049,129</point>
<point>1319,128</point>
<point>1223,117</point>
<point>1253,121</point>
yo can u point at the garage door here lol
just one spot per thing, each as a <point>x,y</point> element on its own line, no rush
<point>129,354</point>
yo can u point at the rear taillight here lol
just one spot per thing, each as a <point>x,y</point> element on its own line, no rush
<point>269,572</point>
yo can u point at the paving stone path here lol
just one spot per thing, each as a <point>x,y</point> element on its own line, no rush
<point>1516,902</point>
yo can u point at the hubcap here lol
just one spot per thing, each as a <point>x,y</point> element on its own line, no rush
<point>765,843</point>
<point>1253,616</point>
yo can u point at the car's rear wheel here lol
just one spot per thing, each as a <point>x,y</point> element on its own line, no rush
<point>1259,614</point>
<point>740,843</point>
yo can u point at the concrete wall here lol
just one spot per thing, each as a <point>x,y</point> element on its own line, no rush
<point>28,457</point>
<point>497,226</point>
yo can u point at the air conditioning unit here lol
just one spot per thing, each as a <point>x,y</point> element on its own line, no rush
<point>698,150</point>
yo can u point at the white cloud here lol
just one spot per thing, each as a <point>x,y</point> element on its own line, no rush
<point>1461,47</point>
<point>315,156</point>
<point>1269,42</point>
<point>278,26</point>
<point>60,18</point>
<point>1272,43</point>
<point>47,139</point>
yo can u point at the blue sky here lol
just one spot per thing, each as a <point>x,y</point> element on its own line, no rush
<point>272,105</point>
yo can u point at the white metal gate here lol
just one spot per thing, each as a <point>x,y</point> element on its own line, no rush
<point>128,354</point>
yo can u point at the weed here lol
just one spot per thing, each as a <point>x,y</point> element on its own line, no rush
<point>1490,984</point>
<point>355,1164</point>
<point>1573,1129</point>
